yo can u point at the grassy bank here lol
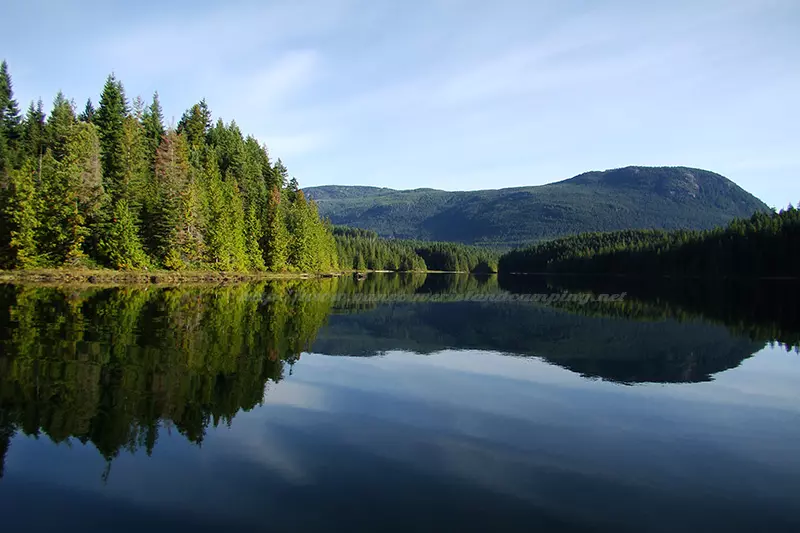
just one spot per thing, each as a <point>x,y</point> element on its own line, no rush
<point>105,276</point>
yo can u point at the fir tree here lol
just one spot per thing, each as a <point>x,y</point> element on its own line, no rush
<point>121,245</point>
<point>253,232</point>
<point>110,121</point>
<point>10,122</point>
<point>21,215</point>
<point>34,136</point>
<point>194,124</point>
<point>59,124</point>
<point>280,173</point>
<point>172,180</point>
<point>10,119</point>
<point>276,236</point>
<point>87,115</point>
<point>135,165</point>
<point>236,227</point>
<point>153,123</point>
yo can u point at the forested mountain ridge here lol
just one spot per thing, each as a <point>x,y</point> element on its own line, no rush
<point>625,198</point>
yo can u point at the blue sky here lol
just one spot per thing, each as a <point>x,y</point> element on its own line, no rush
<point>449,94</point>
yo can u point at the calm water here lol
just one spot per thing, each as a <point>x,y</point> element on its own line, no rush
<point>400,403</point>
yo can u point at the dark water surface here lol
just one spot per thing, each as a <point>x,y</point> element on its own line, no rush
<point>400,403</point>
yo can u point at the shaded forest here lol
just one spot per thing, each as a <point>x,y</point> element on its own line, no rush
<point>764,245</point>
<point>360,249</point>
<point>113,186</point>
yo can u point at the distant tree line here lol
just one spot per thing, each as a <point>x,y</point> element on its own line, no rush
<point>113,186</point>
<point>765,245</point>
<point>360,249</point>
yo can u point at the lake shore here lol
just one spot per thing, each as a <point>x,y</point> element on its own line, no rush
<point>101,276</point>
<point>109,276</point>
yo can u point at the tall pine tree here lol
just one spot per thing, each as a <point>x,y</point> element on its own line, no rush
<point>110,121</point>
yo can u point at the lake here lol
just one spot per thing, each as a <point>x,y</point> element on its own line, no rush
<point>401,403</point>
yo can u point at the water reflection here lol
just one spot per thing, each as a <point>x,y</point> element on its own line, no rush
<point>106,366</point>
<point>122,369</point>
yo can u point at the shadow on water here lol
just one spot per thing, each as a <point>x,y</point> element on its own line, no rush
<point>116,366</point>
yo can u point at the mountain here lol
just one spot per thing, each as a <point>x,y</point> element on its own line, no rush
<point>624,198</point>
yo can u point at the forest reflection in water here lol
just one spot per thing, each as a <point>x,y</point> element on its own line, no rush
<point>116,366</point>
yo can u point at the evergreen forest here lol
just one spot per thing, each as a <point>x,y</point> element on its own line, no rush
<point>112,185</point>
<point>764,245</point>
<point>360,249</point>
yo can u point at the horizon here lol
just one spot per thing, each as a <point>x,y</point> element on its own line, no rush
<point>431,96</point>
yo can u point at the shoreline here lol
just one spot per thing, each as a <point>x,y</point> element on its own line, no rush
<point>48,276</point>
<point>106,276</point>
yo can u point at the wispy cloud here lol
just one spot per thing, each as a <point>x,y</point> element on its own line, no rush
<point>467,93</point>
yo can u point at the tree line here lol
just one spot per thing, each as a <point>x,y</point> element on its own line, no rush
<point>361,249</point>
<point>113,186</point>
<point>764,245</point>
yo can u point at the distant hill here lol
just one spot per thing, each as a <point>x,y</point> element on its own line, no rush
<point>631,197</point>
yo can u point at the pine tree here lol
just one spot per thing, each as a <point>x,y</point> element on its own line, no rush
<point>87,115</point>
<point>194,124</point>
<point>153,123</point>
<point>59,124</point>
<point>236,226</point>
<point>179,213</point>
<point>83,168</point>
<point>276,236</point>
<point>172,184</point>
<point>300,250</point>
<point>21,215</point>
<point>10,122</point>
<point>135,165</point>
<point>121,245</point>
<point>217,251</point>
<point>253,232</point>
<point>60,232</point>
<point>280,173</point>
<point>110,121</point>
<point>359,263</point>
<point>34,137</point>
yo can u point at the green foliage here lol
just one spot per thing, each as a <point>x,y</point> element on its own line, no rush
<point>194,124</point>
<point>121,246</point>
<point>113,186</point>
<point>87,115</point>
<point>62,227</point>
<point>253,231</point>
<point>34,137</point>
<point>311,245</point>
<point>276,236</point>
<point>110,121</point>
<point>761,246</point>
<point>175,216</point>
<point>364,250</point>
<point>626,198</point>
<point>10,121</point>
<point>153,124</point>
<point>21,216</point>
<point>59,126</point>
